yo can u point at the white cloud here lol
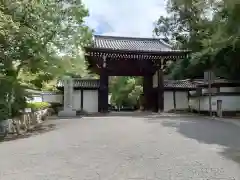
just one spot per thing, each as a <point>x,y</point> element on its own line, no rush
<point>124,17</point>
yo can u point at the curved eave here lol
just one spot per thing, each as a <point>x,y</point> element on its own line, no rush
<point>123,51</point>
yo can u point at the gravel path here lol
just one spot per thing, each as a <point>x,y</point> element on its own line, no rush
<point>126,147</point>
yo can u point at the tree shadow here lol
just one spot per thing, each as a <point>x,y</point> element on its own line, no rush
<point>209,132</point>
<point>143,114</point>
<point>132,114</point>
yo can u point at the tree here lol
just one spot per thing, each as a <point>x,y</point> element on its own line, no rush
<point>125,91</point>
<point>32,35</point>
<point>210,28</point>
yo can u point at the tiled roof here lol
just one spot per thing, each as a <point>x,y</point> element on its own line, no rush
<point>95,83</point>
<point>200,83</point>
<point>82,83</point>
<point>130,43</point>
<point>179,84</point>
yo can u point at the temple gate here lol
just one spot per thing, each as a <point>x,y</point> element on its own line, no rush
<point>128,56</point>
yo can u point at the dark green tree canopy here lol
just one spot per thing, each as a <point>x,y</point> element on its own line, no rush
<point>210,28</point>
<point>33,36</point>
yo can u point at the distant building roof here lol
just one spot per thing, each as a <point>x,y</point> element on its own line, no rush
<point>82,83</point>
<point>179,84</point>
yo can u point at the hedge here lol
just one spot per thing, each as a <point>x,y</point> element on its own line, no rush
<point>35,106</point>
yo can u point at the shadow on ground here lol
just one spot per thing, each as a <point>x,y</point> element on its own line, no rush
<point>205,131</point>
<point>120,113</point>
<point>136,114</point>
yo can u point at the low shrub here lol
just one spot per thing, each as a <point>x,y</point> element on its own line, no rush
<point>36,106</point>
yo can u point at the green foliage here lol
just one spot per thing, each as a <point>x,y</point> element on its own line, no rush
<point>210,28</point>
<point>33,34</point>
<point>12,99</point>
<point>47,79</point>
<point>35,106</point>
<point>125,91</point>
<point>4,114</point>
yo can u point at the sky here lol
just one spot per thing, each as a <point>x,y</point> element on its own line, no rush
<point>134,18</point>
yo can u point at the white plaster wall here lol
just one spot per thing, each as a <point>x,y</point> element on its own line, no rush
<point>155,80</point>
<point>205,90</point>
<point>53,98</point>
<point>168,101</point>
<point>194,103</point>
<point>229,103</point>
<point>90,101</point>
<point>35,98</point>
<point>76,100</point>
<point>181,99</point>
<point>204,103</point>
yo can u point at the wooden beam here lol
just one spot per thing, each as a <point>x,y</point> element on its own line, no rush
<point>137,57</point>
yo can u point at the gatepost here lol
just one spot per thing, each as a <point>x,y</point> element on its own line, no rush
<point>68,98</point>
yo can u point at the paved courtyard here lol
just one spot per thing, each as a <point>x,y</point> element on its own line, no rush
<point>126,147</point>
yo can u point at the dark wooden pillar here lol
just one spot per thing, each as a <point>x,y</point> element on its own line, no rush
<point>160,90</point>
<point>155,99</point>
<point>103,96</point>
<point>148,92</point>
<point>103,91</point>
<point>174,100</point>
<point>188,98</point>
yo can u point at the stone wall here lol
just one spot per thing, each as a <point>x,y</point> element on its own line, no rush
<point>25,122</point>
